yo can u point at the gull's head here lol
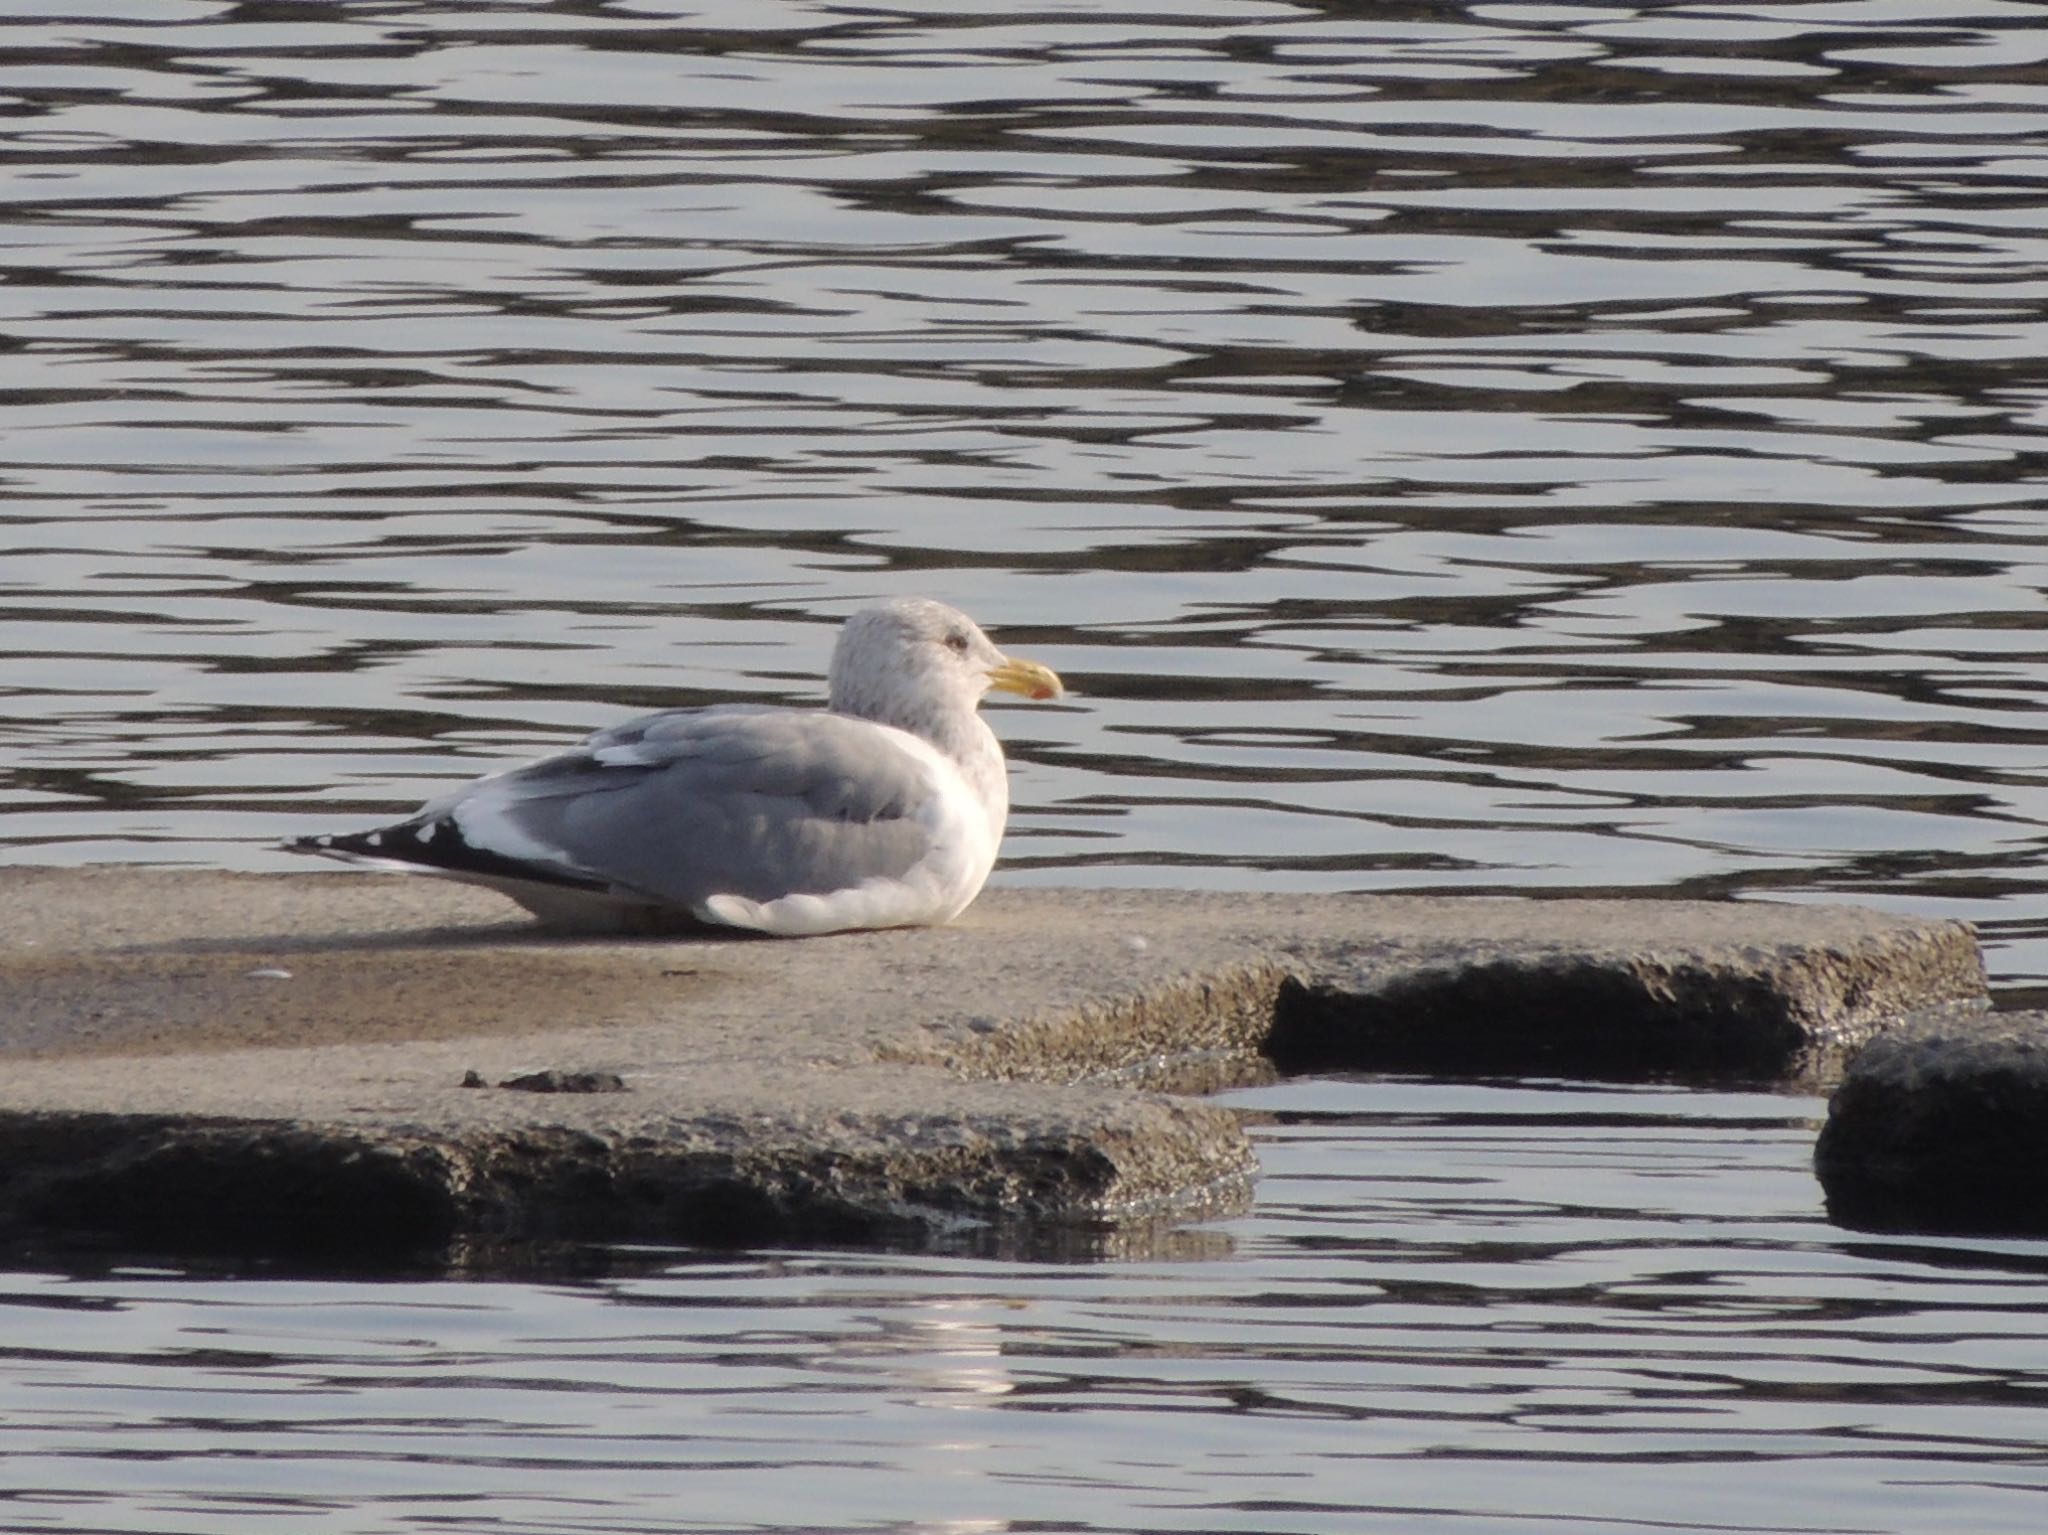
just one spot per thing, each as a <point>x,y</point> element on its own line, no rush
<point>911,656</point>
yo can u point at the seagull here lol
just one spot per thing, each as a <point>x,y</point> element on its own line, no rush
<point>883,809</point>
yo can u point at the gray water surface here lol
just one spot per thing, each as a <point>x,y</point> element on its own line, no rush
<point>1517,447</point>
<point>1531,1307</point>
<point>1514,447</point>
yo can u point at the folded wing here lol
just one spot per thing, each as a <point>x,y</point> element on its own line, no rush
<point>710,811</point>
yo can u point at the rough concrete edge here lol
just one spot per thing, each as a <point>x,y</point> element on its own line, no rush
<point>1193,1033</point>
<point>1795,1012</point>
<point>277,1187</point>
<point>1850,995</point>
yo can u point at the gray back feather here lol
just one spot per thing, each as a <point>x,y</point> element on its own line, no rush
<point>738,799</point>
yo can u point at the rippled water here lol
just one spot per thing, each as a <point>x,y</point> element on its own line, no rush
<point>1535,1307</point>
<point>1530,447</point>
<point>1506,446</point>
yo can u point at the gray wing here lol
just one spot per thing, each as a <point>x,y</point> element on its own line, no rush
<point>677,807</point>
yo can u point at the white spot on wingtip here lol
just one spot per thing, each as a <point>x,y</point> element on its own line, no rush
<point>375,839</point>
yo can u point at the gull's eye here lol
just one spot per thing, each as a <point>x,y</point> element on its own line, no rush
<point>957,643</point>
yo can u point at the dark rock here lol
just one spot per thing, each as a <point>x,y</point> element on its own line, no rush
<point>1943,1126</point>
<point>553,1081</point>
<point>244,1189</point>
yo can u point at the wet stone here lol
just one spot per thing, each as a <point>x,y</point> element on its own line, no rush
<point>1943,1126</point>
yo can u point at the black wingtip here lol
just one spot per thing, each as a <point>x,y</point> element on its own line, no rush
<point>402,843</point>
<point>435,845</point>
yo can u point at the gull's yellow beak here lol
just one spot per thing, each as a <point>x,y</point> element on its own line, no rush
<point>1025,678</point>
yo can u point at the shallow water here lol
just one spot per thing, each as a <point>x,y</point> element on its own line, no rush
<point>1526,447</point>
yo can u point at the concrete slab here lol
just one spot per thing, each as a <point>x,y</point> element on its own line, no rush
<point>277,1063</point>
